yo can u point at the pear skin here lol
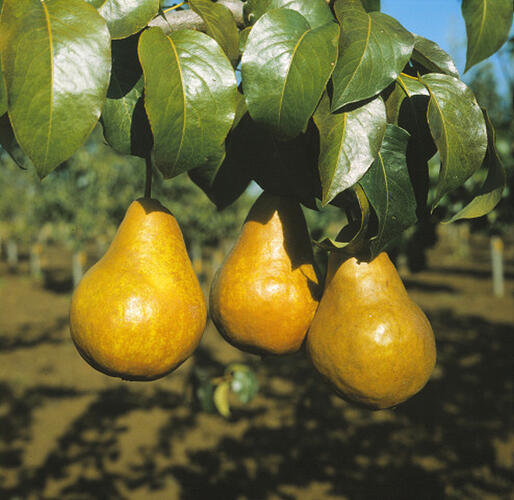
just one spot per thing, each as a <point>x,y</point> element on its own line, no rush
<point>368,339</point>
<point>139,312</point>
<point>265,294</point>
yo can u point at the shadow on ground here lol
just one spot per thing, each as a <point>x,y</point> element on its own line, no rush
<point>296,440</point>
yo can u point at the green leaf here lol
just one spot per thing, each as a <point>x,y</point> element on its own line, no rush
<point>350,141</point>
<point>124,120</point>
<point>488,24</point>
<point>224,183</point>
<point>458,128</point>
<point>284,69</point>
<point>352,237</point>
<point>388,188</point>
<point>243,382</point>
<point>126,17</point>
<point>190,98</point>
<point>432,57</point>
<point>221,401</point>
<point>285,168</point>
<point>371,5</point>
<point>243,38</point>
<point>3,94</point>
<point>220,26</point>
<point>56,63</point>
<point>3,90</point>
<point>410,99</point>
<point>373,50</point>
<point>491,191</point>
<point>316,12</point>
<point>9,144</point>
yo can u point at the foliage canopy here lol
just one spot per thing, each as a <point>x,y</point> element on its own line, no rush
<point>329,102</point>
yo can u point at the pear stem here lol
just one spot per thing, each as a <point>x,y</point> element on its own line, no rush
<point>148,181</point>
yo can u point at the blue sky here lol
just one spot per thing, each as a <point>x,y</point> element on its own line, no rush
<point>442,22</point>
<point>438,20</point>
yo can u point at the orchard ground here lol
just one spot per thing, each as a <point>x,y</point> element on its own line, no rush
<point>68,432</point>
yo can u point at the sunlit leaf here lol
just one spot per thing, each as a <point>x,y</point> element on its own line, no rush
<point>388,188</point>
<point>458,128</point>
<point>284,69</point>
<point>432,57</point>
<point>488,24</point>
<point>126,17</point>
<point>350,142</point>
<point>56,63</point>
<point>220,26</point>
<point>316,12</point>
<point>190,98</point>
<point>491,191</point>
<point>373,50</point>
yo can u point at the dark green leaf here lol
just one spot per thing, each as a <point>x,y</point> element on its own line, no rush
<point>491,191</point>
<point>432,57</point>
<point>56,78</point>
<point>190,98</point>
<point>126,17</point>
<point>411,99</point>
<point>351,238</point>
<point>317,12</point>
<point>220,26</point>
<point>458,128</point>
<point>350,142</point>
<point>124,120</point>
<point>243,382</point>
<point>373,50</point>
<point>9,144</point>
<point>371,5</point>
<point>488,24</point>
<point>284,69</point>
<point>223,184</point>
<point>286,168</point>
<point>388,188</point>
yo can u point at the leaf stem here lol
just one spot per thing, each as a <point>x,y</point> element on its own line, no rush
<point>174,7</point>
<point>148,180</point>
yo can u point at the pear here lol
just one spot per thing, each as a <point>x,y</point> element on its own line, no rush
<point>139,312</point>
<point>368,339</point>
<point>265,294</point>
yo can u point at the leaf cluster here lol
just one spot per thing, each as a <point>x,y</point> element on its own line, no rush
<point>328,102</point>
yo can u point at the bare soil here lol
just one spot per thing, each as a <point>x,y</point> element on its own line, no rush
<point>68,432</point>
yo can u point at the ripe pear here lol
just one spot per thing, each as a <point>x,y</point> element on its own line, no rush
<point>368,339</point>
<point>265,294</point>
<point>139,312</point>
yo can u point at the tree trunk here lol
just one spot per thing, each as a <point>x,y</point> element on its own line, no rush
<point>12,255</point>
<point>35,261</point>
<point>497,266</point>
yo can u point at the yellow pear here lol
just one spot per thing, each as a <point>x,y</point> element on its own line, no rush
<point>265,294</point>
<point>368,339</point>
<point>139,311</point>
